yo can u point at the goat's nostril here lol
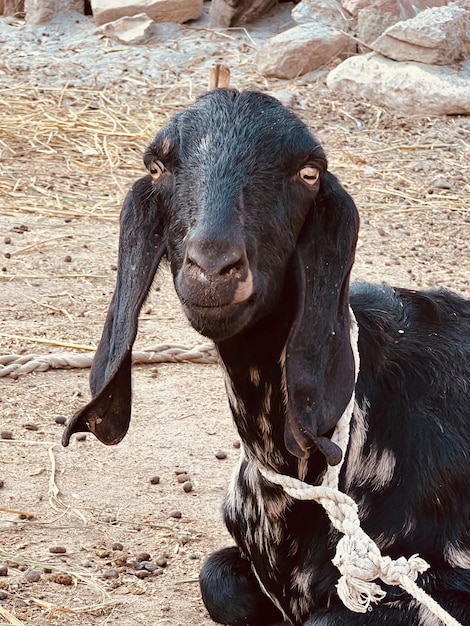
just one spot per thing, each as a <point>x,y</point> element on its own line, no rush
<point>216,261</point>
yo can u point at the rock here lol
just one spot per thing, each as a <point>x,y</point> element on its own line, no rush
<point>237,12</point>
<point>134,30</point>
<point>408,87</point>
<point>32,576</point>
<point>41,11</point>
<point>301,49</point>
<point>13,8</point>
<point>372,22</point>
<point>436,36</point>
<point>57,550</point>
<point>328,11</point>
<point>354,6</point>
<point>410,8</point>
<point>404,8</point>
<point>158,10</point>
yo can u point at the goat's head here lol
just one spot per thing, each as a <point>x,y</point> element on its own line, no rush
<point>237,192</point>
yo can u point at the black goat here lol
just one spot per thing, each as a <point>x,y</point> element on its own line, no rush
<point>260,237</point>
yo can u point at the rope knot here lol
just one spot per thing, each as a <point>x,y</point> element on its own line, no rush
<point>360,563</point>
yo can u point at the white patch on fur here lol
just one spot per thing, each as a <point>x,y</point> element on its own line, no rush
<point>374,470</point>
<point>254,376</point>
<point>457,556</point>
<point>301,585</point>
<point>233,399</point>
<point>244,289</point>
<point>357,439</point>
<point>204,145</point>
<point>377,469</point>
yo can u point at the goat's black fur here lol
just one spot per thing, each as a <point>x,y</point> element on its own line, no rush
<point>261,260</point>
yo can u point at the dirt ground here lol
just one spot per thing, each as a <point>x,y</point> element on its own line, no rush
<point>66,158</point>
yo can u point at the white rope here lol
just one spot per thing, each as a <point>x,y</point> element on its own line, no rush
<point>16,365</point>
<point>357,556</point>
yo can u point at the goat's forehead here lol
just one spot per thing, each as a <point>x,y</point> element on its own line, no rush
<point>238,127</point>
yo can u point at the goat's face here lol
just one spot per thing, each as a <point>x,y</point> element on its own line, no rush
<point>239,200</point>
<point>239,173</point>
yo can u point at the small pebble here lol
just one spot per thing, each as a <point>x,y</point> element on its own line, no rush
<point>2,484</point>
<point>143,573</point>
<point>60,419</point>
<point>103,553</point>
<point>47,570</point>
<point>183,537</point>
<point>57,550</point>
<point>181,471</point>
<point>161,561</point>
<point>149,566</point>
<point>3,595</point>
<point>182,478</point>
<point>143,556</point>
<point>187,486</point>
<point>3,570</point>
<point>68,258</point>
<point>32,576</point>
<point>114,267</point>
<point>117,546</point>
<point>81,437</point>
<point>110,573</point>
<point>220,455</point>
<point>236,444</point>
<point>155,480</point>
<point>120,559</point>
<point>176,514</point>
<point>31,426</point>
<point>6,434</point>
<point>7,255</point>
<point>7,240</point>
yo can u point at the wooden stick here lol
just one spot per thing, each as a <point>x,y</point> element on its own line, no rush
<point>219,77</point>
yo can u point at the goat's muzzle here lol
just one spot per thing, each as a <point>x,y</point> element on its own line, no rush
<point>215,283</point>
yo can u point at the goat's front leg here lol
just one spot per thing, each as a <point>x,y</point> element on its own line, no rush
<point>232,594</point>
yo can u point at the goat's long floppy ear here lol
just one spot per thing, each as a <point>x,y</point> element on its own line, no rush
<point>319,362</point>
<point>142,244</point>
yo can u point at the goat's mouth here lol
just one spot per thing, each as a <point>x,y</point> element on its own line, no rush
<point>220,321</point>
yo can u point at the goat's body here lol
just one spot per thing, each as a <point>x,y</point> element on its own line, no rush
<point>260,237</point>
<point>408,462</point>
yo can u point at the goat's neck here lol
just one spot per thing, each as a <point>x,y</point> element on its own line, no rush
<point>253,367</point>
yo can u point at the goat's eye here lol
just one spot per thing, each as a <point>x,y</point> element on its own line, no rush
<point>309,174</point>
<point>156,169</point>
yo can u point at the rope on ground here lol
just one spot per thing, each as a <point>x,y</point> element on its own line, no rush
<point>16,365</point>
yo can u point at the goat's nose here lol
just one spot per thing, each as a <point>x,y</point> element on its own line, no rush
<point>216,259</point>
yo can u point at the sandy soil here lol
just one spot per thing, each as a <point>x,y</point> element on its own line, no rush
<point>410,179</point>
